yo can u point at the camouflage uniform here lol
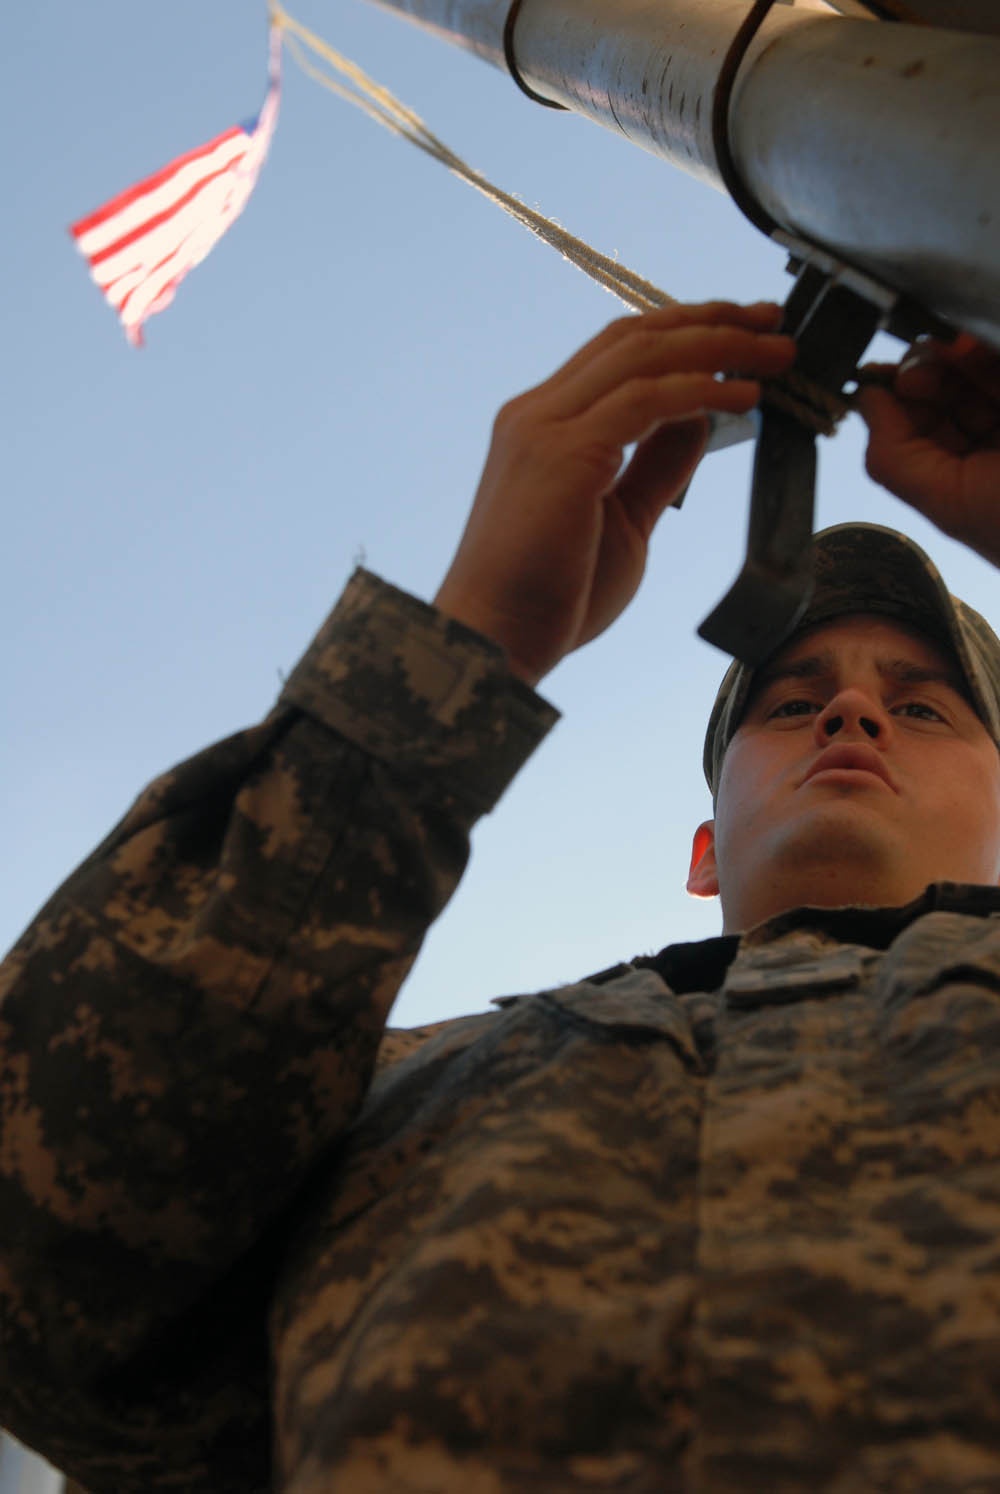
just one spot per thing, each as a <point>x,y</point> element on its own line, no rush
<point>723,1219</point>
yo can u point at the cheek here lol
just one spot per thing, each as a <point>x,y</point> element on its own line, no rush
<point>743,791</point>
<point>752,766</point>
<point>984,819</point>
<point>961,802</point>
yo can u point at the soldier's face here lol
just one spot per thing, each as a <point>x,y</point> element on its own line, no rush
<point>859,774</point>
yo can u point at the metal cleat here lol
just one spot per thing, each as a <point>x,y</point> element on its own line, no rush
<point>833,312</point>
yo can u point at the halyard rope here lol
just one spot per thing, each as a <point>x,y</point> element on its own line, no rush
<point>379,104</point>
<point>803,398</point>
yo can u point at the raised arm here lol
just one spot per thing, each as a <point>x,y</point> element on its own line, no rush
<point>190,1024</point>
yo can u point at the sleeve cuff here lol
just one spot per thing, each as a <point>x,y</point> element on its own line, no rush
<point>422,693</point>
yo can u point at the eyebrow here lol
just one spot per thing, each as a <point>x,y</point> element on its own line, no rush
<point>901,671</point>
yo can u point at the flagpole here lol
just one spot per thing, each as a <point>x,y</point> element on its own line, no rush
<point>875,141</point>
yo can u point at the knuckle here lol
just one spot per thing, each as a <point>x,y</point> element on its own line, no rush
<point>617,331</point>
<point>712,311</point>
<point>629,322</point>
<point>512,416</point>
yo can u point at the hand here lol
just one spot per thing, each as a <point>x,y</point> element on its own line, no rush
<point>935,437</point>
<point>555,545</point>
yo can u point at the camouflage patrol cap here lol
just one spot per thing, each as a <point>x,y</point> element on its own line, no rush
<point>867,568</point>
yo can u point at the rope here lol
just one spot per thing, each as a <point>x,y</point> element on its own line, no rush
<point>382,106</point>
<point>813,405</point>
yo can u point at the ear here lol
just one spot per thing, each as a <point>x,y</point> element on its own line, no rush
<point>703,877</point>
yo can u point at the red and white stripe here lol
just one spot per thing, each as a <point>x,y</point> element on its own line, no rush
<point>142,243</point>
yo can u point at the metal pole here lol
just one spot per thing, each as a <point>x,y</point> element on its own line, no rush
<point>876,141</point>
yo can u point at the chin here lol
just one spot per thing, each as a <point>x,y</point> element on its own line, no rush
<point>836,859</point>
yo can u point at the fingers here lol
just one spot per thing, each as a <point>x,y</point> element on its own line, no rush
<point>947,391</point>
<point>640,373</point>
<point>634,409</point>
<point>650,355</point>
<point>932,398</point>
<point>763,316</point>
<point>937,371</point>
<point>891,432</point>
<point>719,337</point>
<point>882,411</point>
<point>970,359</point>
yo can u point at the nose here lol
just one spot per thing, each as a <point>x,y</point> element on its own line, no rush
<point>852,713</point>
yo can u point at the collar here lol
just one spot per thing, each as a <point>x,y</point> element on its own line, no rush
<point>703,965</point>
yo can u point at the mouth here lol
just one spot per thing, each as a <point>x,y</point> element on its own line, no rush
<point>855,758</point>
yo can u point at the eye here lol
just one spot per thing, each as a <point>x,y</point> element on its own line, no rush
<point>797,707</point>
<point>919,709</point>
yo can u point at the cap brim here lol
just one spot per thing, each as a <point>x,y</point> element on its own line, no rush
<point>868,568</point>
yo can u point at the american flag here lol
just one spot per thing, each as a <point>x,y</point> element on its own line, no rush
<point>142,243</point>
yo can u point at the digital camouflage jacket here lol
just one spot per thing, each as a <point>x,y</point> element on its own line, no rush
<point>718,1220</point>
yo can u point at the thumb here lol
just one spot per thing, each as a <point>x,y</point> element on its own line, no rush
<point>660,469</point>
<point>890,423</point>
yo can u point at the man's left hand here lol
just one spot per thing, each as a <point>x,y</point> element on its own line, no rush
<point>934,437</point>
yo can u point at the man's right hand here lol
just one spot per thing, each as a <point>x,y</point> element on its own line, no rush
<point>555,545</point>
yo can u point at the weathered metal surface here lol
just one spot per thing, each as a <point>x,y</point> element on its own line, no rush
<point>885,153</point>
<point>476,25</point>
<point>875,140</point>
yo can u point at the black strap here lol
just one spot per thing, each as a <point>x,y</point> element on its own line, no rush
<point>733,182</point>
<point>512,67</point>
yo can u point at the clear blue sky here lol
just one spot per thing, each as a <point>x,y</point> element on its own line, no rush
<point>179,520</point>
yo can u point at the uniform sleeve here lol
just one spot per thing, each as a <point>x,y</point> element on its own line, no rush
<point>193,1018</point>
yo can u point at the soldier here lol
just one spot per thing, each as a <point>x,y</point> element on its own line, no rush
<point>720,1219</point>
